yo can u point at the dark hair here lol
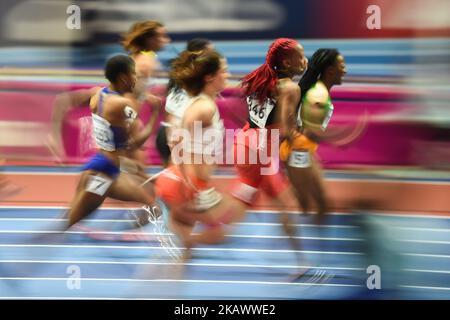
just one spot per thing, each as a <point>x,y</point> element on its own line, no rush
<point>262,81</point>
<point>317,65</point>
<point>117,65</point>
<point>196,44</point>
<point>190,68</point>
<point>133,40</point>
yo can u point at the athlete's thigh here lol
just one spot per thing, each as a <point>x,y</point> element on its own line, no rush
<point>125,189</point>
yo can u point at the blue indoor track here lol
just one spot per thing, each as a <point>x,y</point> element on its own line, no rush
<point>256,262</point>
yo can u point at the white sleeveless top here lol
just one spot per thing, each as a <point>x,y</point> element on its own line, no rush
<point>176,104</point>
<point>206,140</point>
<point>108,137</point>
<point>103,135</point>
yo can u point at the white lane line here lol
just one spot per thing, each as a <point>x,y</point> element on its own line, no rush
<point>426,288</point>
<point>169,234</point>
<point>425,241</point>
<point>296,212</point>
<point>428,271</point>
<point>228,236</point>
<point>287,237</point>
<point>424,255</point>
<point>207,249</point>
<point>219,265</point>
<point>269,224</point>
<point>253,236</point>
<point>161,248</point>
<point>187,281</point>
<point>423,229</point>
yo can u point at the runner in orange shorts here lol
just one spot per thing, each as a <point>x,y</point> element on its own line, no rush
<point>185,186</point>
<point>308,128</point>
<point>269,90</point>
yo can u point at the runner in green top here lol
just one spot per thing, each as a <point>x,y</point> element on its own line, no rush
<point>307,126</point>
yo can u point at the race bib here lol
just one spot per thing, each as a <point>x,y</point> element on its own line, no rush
<point>98,185</point>
<point>103,134</point>
<point>300,159</point>
<point>206,199</point>
<point>259,113</point>
<point>130,114</point>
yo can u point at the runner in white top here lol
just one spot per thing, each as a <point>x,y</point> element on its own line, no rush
<point>176,103</point>
<point>185,186</point>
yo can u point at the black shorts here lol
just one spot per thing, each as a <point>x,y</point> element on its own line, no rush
<point>161,144</point>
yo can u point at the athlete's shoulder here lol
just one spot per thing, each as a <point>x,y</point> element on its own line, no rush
<point>203,103</point>
<point>95,94</point>
<point>288,87</point>
<point>94,91</point>
<point>202,108</point>
<point>118,103</point>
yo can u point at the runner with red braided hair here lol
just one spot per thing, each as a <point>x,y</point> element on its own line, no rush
<point>262,82</point>
<point>269,90</point>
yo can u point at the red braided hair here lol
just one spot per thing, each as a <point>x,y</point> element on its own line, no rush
<point>262,81</point>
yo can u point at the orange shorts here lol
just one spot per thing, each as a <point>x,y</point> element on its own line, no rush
<point>173,189</point>
<point>300,143</point>
<point>251,175</point>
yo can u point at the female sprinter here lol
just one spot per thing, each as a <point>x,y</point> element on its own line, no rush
<point>176,103</point>
<point>269,90</point>
<point>185,186</point>
<point>142,42</point>
<point>112,116</point>
<point>307,124</point>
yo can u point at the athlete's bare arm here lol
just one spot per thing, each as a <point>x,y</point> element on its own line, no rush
<point>288,100</point>
<point>63,103</point>
<point>198,111</point>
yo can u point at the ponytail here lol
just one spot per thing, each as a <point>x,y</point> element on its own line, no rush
<point>320,61</point>
<point>262,82</point>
